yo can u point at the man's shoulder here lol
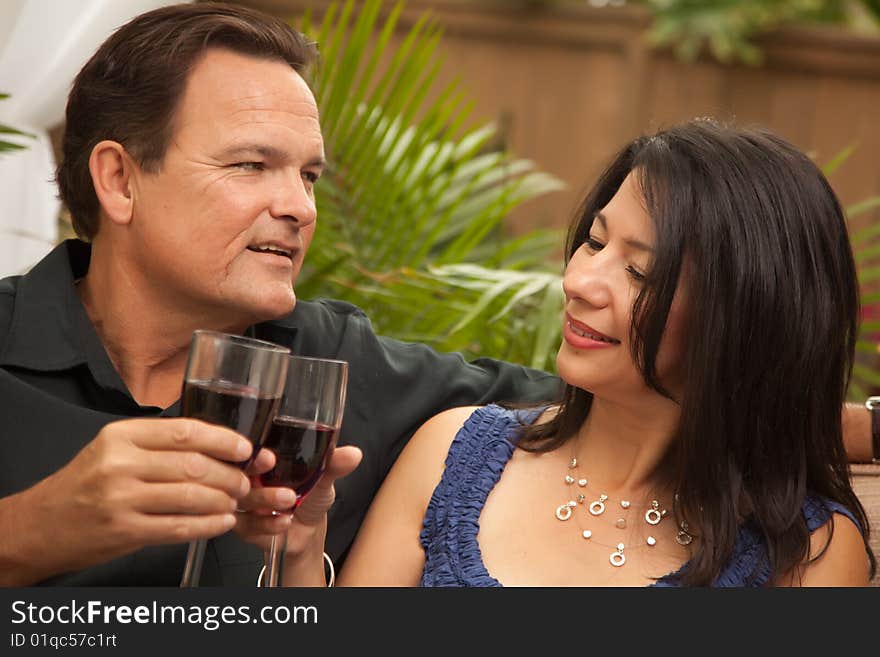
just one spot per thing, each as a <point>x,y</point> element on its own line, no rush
<point>320,312</point>
<point>8,291</point>
<point>318,327</point>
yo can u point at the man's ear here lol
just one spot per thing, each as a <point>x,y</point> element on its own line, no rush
<point>111,169</point>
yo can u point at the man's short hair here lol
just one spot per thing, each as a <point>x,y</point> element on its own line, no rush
<point>130,89</point>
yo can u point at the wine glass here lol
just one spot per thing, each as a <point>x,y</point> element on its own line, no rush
<point>236,382</point>
<point>303,435</point>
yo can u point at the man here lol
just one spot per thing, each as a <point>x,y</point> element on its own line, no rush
<point>191,150</point>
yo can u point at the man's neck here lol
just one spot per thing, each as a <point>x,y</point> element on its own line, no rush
<point>146,337</point>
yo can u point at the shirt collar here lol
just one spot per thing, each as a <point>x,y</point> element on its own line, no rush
<point>50,329</point>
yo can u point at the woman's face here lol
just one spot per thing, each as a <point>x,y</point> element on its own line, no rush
<point>601,283</point>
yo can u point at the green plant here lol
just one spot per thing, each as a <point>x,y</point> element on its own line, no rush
<point>866,251</point>
<point>729,27</point>
<point>7,130</point>
<point>411,205</point>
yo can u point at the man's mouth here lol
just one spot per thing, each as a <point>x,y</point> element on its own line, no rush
<point>274,249</point>
<point>592,336</point>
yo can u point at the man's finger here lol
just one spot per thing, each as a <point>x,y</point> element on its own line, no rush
<point>156,529</point>
<point>173,467</point>
<point>179,498</point>
<point>186,435</point>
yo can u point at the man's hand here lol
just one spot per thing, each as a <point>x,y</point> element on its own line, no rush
<point>139,482</point>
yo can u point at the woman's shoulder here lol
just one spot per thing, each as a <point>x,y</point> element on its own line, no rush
<point>473,418</point>
<point>429,444</point>
<point>462,422</point>
<point>837,550</point>
<point>465,430</point>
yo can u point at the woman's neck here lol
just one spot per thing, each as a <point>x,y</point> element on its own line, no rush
<point>620,447</point>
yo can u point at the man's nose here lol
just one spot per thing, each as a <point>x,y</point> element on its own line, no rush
<point>294,200</point>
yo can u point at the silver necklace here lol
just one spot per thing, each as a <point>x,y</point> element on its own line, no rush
<point>597,507</point>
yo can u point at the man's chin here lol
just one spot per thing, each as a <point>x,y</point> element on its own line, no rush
<point>276,308</point>
<point>265,307</point>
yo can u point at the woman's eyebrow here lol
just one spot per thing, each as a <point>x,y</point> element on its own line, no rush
<point>634,243</point>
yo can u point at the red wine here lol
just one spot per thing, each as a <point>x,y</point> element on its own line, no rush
<point>237,407</point>
<point>301,451</point>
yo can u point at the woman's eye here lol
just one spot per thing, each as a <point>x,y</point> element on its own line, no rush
<point>636,274</point>
<point>311,176</point>
<point>592,244</point>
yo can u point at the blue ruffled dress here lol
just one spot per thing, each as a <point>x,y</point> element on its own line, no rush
<point>476,459</point>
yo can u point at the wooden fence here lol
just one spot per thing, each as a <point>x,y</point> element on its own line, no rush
<point>568,86</point>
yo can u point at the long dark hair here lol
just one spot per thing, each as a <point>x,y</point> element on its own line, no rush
<point>770,325</point>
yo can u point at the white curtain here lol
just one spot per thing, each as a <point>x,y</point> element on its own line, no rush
<point>43,44</point>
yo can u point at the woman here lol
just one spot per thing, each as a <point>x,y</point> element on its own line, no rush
<point>710,321</point>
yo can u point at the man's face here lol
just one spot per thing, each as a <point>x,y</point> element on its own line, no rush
<point>224,225</point>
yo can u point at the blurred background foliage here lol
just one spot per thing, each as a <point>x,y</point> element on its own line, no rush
<point>728,29</point>
<point>10,132</point>
<point>412,203</point>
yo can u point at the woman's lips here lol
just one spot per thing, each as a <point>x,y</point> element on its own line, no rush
<point>583,336</point>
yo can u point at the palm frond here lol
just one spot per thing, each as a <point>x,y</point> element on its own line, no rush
<point>866,251</point>
<point>412,204</point>
<point>6,145</point>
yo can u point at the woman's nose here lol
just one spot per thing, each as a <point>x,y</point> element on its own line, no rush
<point>586,279</point>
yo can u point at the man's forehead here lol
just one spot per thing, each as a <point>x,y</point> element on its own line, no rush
<point>236,100</point>
<point>236,81</point>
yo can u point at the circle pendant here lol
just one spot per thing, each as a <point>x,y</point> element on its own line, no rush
<point>683,538</point>
<point>652,516</point>
<point>597,508</point>
<point>563,511</point>
<point>617,558</point>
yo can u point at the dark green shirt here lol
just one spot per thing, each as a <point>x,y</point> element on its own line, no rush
<point>58,388</point>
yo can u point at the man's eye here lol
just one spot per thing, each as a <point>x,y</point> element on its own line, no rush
<point>249,166</point>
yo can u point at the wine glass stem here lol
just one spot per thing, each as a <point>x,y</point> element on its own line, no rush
<point>195,556</point>
<point>275,559</point>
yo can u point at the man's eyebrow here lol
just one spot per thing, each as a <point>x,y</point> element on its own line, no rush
<point>266,151</point>
<point>636,244</point>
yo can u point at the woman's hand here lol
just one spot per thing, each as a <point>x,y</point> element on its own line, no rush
<point>255,522</point>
